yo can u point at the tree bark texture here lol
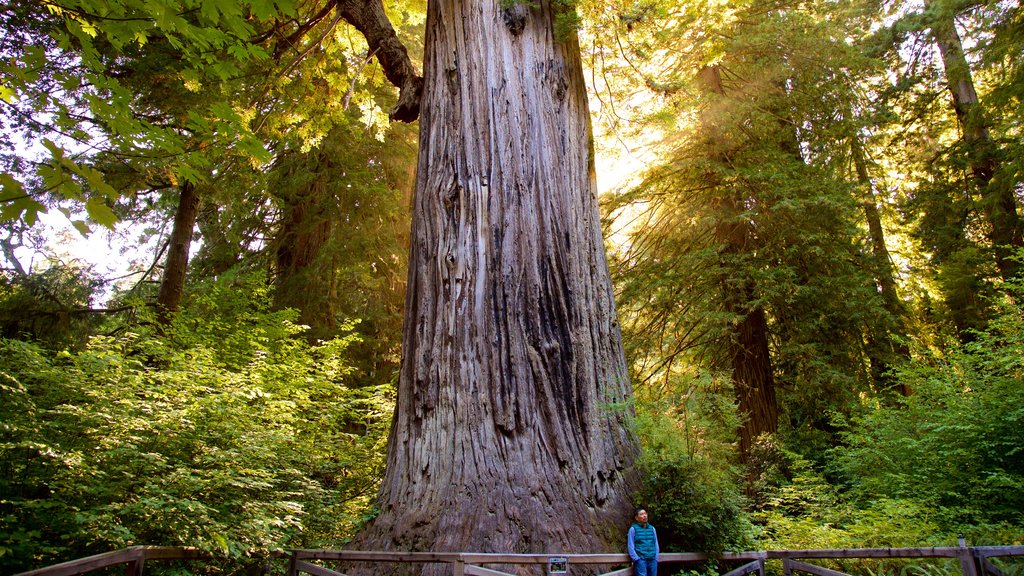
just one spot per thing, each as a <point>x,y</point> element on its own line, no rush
<point>998,203</point>
<point>509,433</point>
<point>172,285</point>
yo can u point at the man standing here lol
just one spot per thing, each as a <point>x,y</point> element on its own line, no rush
<point>642,541</point>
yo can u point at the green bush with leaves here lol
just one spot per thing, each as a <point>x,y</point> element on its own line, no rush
<point>691,482</point>
<point>696,506</point>
<point>955,446</point>
<point>230,433</point>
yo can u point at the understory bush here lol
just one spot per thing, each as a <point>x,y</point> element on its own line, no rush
<point>691,480</point>
<point>229,432</point>
<point>955,446</point>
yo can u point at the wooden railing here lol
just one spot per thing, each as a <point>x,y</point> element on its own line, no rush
<point>133,558</point>
<point>471,564</point>
<point>973,561</point>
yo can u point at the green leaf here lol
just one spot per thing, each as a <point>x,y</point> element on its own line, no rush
<point>82,227</point>
<point>16,203</point>
<point>26,208</point>
<point>95,179</point>
<point>10,188</point>
<point>100,213</point>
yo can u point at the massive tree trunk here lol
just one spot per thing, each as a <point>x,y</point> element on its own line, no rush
<point>172,285</point>
<point>997,197</point>
<point>509,433</point>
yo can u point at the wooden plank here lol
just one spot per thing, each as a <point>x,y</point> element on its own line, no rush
<point>495,558</point>
<point>172,553</point>
<point>745,569</point>
<point>812,569</point>
<point>968,565</point>
<point>472,570</point>
<point>867,553</point>
<point>990,568</point>
<point>134,568</point>
<point>621,572</point>
<point>368,555</point>
<point>88,564</point>
<point>989,551</point>
<point>315,570</point>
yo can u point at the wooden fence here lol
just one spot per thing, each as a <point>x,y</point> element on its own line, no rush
<point>973,561</point>
<point>133,558</point>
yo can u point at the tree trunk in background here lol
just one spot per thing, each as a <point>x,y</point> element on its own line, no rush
<point>304,281</point>
<point>752,377</point>
<point>881,347</point>
<point>750,360</point>
<point>172,286</point>
<point>510,427</point>
<point>997,197</point>
<point>218,253</point>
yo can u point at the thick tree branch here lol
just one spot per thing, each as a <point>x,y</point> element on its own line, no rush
<point>369,18</point>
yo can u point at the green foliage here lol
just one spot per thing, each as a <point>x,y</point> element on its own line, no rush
<point>51,306</point>
<point>954,446</point>
<point>691,487</point>
<point>800,508</point>
<point>771,149</point>
<point>78,78</point>
<point>915,473</point>
<point>232,434</point>
<point>696,505</point>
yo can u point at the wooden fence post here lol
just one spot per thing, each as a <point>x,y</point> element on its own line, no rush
<point>135,567</point>
<point>968,564</point>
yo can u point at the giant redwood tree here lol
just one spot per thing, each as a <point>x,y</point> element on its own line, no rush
<point>509,429</point>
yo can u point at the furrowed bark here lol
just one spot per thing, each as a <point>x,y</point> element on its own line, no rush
<point>509,433</point>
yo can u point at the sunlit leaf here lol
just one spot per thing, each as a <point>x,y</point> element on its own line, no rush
<point>100,213</point>
<point>7,94</point>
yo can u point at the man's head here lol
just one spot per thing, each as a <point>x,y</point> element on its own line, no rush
<point>640,515</point>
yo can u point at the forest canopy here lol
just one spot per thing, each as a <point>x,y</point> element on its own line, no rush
<point>810,213</point>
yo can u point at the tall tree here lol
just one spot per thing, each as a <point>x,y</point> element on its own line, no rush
<point>750,262</point>
<point>997,199</point>
<point>509,433</point>
<point>748,357</point>
<point>885,347</point>
<point>179,244</point>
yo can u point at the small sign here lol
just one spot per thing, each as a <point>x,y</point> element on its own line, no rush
<point>558,565</point>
